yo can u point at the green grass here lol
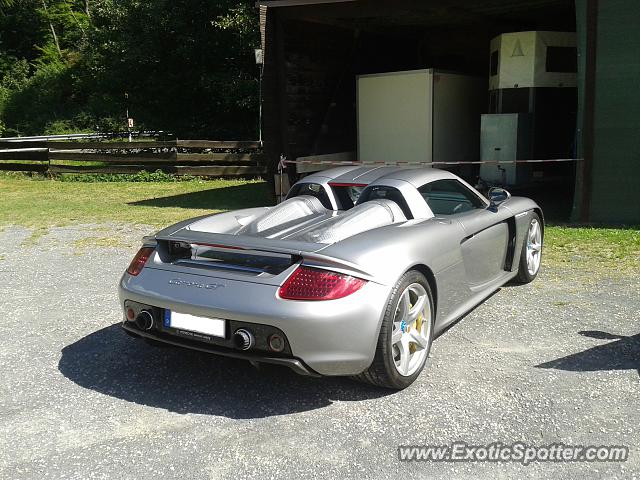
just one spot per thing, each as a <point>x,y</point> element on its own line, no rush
<point>40,204</point>
<point>44,203</point>
<point>593,248</point>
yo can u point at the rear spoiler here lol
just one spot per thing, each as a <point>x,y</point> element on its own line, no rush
<point>310,252</point>
<point>246,242</point>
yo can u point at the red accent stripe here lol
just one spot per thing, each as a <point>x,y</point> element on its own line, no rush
<point>331,184</point>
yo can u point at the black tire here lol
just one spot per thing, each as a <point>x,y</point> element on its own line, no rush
<point>382,372</point>
<point>524,276</point>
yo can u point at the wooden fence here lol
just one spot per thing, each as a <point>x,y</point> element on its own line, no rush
<point>179,157</point>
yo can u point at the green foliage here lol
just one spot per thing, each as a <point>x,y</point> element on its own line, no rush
<point>143,176</point>
<point>14,74</point>
<point>187,66</point>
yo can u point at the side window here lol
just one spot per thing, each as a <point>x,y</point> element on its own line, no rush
<point>493,63</point>
<point>562,59</point>
<point>448,197</point>
<point>312,189</point>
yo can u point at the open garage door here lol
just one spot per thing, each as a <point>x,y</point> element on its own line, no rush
<point>318,51</point>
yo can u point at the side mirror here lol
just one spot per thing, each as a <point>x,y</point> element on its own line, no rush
<point>497,196</point>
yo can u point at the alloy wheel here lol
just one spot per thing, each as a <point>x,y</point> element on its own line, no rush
<point>411,330</point>
<point>534,247</point>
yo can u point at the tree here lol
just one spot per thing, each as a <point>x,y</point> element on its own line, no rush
<point>187,65</point>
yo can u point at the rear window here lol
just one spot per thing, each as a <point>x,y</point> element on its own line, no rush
<point>347,195</point>
<point>312,189</point>
<point>376,192</point>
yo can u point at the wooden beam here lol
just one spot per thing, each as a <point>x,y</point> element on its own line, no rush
<point>108,145</point>
<point>283,111</point>
<point>23,167</point>
<point>211,144</point>
<point>270,93</point>
<point>111,158</point>
<point>88,169</point>
<point>14,145</point>
<point>294,3</point>
<point>216,144</point>
<point>219,157</point>
<point>220,171</point>
<point>36,156</point>
<point>588,122</point>
<point>208,171</point>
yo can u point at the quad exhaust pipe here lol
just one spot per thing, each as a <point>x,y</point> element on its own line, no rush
<point>144,320</point>
<point>243,339</point>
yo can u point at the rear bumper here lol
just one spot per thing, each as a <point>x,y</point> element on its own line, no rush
<point>293,363</point>
<point>336,337</point>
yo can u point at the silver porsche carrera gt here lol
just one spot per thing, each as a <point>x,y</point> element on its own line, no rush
<point>355,273</point>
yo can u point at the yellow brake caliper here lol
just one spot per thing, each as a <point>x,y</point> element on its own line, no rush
<point>418,327</point>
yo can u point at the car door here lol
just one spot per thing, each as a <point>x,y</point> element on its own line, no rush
<point>484,250</point>
<point>487,232</point>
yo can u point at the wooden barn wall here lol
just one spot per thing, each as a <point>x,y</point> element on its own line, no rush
<point>272,142</point>
<point>317,61</point>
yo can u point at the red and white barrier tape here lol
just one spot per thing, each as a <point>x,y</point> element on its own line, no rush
<point>404,164</point>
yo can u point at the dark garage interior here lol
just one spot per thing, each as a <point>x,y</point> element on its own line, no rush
<point>314,53</point>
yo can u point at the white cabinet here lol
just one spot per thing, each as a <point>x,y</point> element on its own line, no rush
<point>506,137</point>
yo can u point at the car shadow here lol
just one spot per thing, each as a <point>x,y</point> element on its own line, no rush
<point>185,381</point>
<point>621,354</point>
<point>227,198</point>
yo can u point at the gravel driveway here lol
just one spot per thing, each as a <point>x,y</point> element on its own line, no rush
<point>554,361</point>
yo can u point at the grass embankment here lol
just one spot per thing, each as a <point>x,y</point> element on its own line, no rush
<point>593,248</point>
<point>41,204</point>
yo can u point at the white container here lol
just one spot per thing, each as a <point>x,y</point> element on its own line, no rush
<point>533,59</point>
<point>419,116</point>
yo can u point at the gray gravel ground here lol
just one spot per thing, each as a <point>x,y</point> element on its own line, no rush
<point>554,361</point>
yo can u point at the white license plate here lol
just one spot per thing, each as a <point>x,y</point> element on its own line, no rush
<point>183,321</point>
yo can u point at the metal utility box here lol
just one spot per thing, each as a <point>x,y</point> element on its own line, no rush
<point>506,137</point>
<point>533,59</point>
<point>419,116</point>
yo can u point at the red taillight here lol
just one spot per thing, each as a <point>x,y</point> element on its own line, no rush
<point>137,264</point>
<point>314,284</point>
